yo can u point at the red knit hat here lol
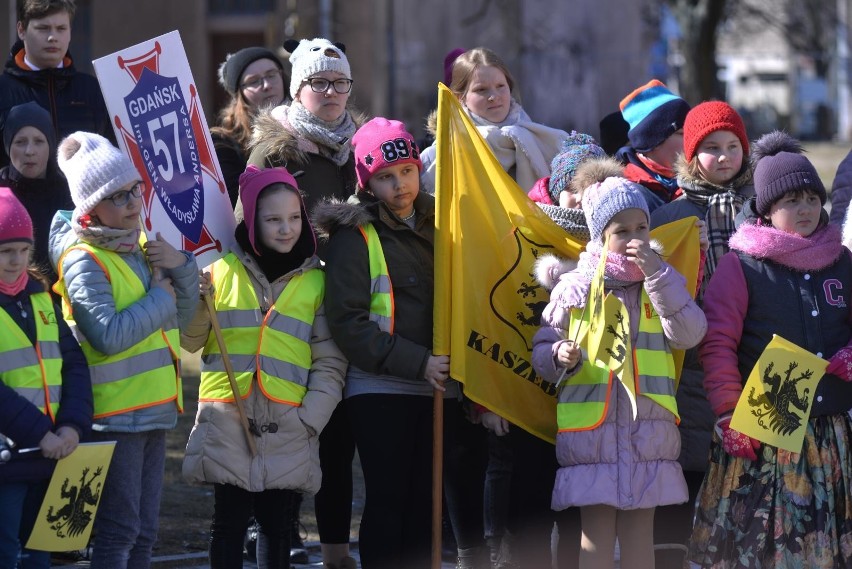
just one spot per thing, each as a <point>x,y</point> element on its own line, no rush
<point>708,118</point>
<point>380,143</point>
<point>15,222</point>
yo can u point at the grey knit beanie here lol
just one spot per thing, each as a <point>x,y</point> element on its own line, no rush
<point>575,149</point>
<point>95,169</point>
<point>604,200</point>
<point>231,70</point>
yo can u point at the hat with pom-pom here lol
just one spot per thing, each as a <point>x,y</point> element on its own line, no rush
<point>654,113</point>
<point>780,167</point>
<point>95,169</point>
<point>449,59</point>
<point>576,148</point>
<point>15,221</point>
<point>232,69</point>
<point>604,200</point>
<point>253,181</point>
<point>707,118</point>
<point>380,143</point>
<point>309,57</point>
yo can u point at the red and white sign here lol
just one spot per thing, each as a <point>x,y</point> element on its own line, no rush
<point>159,123</point>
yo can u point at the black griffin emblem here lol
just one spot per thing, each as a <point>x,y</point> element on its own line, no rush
<point>620,342</point>
<point>774,408</point>
<point>532,315</point>
<point>76,515</point>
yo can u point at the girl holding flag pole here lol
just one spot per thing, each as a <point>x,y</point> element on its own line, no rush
<point>617,442</point>
<point>268,295</point>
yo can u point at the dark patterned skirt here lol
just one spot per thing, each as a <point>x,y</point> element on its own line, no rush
<point>785,510</point>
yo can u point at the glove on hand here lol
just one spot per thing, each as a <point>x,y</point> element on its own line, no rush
<point>735,443</point>
<point>841,364</point>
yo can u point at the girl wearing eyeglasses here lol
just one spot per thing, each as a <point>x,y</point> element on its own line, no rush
<point>254,79</point>
<point>127,303</point>
<point>312,138</point>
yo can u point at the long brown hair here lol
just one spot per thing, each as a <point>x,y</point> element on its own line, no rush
<point>235,120</point>
<point>467,63</point>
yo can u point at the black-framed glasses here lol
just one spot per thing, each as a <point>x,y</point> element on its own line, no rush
<point>120,199</point>
<point>320,85</point>
<point>271,77</point>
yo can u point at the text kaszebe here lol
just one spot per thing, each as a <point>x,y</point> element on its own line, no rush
<point>519,365</point>
<point>155,100</point>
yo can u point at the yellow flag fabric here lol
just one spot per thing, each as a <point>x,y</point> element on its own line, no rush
<point>67,513</point>
<point>776,401</point>
<point>680,249</point>
<point>487,301</point>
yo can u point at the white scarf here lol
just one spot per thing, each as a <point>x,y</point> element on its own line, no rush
<point>522,144</point>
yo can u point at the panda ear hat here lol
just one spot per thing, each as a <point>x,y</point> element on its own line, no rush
<point>309,57</point>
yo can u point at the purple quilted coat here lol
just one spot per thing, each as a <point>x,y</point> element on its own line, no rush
<point>626,463</point>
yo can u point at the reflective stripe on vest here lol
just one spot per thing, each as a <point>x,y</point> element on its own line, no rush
<point>33,371</point>
<point>145,374</point>
<point>584,397</point>
<point>381,291</point>
<point>278,344</point>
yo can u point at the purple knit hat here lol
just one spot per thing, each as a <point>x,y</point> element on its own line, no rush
<point>780,167</point>
<point>577,148</point>
<point>449,59</point>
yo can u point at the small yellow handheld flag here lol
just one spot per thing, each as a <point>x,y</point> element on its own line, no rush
<point>776,401</point>
<point>67,513</point>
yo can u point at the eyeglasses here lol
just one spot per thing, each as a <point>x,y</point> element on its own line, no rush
<point>271,77</point>
<point>120,199</point>
<point>320,85</point>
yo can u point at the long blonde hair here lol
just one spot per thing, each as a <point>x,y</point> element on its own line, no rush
<point>467,63</point>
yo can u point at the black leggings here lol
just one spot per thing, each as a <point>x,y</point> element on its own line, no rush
<point>232,509</point>
<point>333,502</point>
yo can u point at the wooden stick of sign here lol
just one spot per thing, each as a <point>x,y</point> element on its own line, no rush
<point>229,370</point>
<point>437,475</point>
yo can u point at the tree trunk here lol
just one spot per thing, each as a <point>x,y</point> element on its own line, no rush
<point>698,21</point>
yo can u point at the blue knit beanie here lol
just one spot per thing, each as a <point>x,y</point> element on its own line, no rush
<point>604,200</point>
<point>654,113</point>
<point>576,148</point>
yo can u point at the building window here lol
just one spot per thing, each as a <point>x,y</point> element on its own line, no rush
<point>220,7</point>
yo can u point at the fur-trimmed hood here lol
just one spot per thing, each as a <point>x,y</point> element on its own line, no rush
<point>272,132</point>
<point>330,215</point>
<point>594,170</point>
<point>549,267</point>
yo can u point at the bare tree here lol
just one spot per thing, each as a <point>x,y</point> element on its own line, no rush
<point>699,22</point>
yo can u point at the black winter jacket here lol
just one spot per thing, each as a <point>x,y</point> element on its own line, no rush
<point>72,97</point>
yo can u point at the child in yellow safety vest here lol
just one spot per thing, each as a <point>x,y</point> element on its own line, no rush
<point>615,463</point>
<point>269,298</point>
<point>45,391</point>
<point>125,303</point>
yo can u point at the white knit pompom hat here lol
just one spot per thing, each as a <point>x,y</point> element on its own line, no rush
<point>309,57</point>
<point>95,169</point>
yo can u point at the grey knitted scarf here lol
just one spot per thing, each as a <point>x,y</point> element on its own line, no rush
<point>333,138</point>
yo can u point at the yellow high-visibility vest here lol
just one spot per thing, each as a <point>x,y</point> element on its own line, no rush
<point>584,397</point>
<point>145,374</point>
<point>33,371</point>
<point>381,291</point>
<point>275,347</point>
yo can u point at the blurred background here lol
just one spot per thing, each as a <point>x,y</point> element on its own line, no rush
<point>781,63</point>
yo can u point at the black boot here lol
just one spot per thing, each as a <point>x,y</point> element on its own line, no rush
<point>473,558</point>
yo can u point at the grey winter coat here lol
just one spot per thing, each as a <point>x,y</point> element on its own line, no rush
<point>287,457</point>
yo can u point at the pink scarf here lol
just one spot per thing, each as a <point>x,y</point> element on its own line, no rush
<point>618,267</point>
<point>817,251</point>
<point>13,288</point>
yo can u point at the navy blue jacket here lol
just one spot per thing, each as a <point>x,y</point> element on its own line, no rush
<point>20,420</point>
<point>72,97</point>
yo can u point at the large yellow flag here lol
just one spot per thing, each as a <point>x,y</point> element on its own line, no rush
<point>776,401</point>
<point>67,513</point>
<point>487,301</point>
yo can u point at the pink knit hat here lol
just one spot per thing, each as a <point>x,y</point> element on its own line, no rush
<point>380,143</point>
<point>15,222</point>
<point>252,182</point>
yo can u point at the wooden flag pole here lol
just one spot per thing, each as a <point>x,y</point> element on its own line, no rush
<point>229,370</point>
<point>437,475</point>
